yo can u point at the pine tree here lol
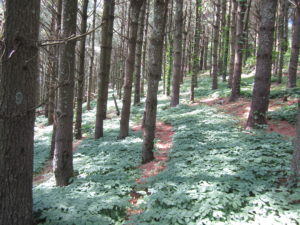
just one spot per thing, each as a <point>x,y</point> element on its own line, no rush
<point>18,89</point>
<point>262,83</point>
<point>63,156</point>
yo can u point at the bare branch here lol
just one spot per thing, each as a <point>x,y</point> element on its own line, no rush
<point>68,39</point>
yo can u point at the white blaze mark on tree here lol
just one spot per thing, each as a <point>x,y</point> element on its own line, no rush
<point>19,98</point>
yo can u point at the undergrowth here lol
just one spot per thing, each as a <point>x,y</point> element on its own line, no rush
<point>287,113</point>
<point>42,143</point>
<point>217,174</point>
<point>247,82</point>
<point>220,174</point>
<point>106,170</point>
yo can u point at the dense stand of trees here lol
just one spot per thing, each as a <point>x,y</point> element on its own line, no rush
<point>142,43</point>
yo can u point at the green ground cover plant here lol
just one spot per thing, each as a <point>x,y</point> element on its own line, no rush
<point>287,113</point>
<point>105,172</point>
<point>220,174</point>
<point>42,143</point>
<point>204,90</point>
<point>99,193</point>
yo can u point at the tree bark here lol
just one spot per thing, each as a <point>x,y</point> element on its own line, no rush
<point>18,89</point>
<point>52,62</point>
<point>232,42</point>
<point>239,44</point>
<point>105,58</point>
<point>170,42</point>
<point>222,41</point>
<point>246,30</point>
<point>155,69</point>
<point>58,33</point>
<point>144,75</point>
<point>206,43</point>
<point>261,90</point>
<point>186,37</point>
<point>177,53</point>
<point>296,154</point>
<point>216,45</point>
<point>282,44</point>
<point>135,6</point>
<point>63,158</point>
<point>184,41</point>
<point>80,81</point>
<point>195,58</point>
<point>91,69</point>
<point>292,74</point>
<point>138,59</point>
<point>226,45</point>
<point>170,68</point>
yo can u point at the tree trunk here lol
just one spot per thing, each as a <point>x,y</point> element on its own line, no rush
<point>145,49</point>
<point>53,72</point>
<point>216,45</point>
<point>170,41</point>
<point>184,38</point>
<point>261,90</point>
<point>296,154</point>
<point>123,47</point>
<point>155,68</point>
<point>105,58</point>
<point>206,43</point>
<point>232,42</point>
<point>80,82</point>
<point>135,6</point>
<point>55,97</point>
<point>239,44</point>
<point>292,77</point>
<point>222,39</point>
<point>282,43</point>
<point>18,89</point>
<point>246,29</point>
<point>177,53</point>
<point>165,71</point>
<point>226,45</point>
<point>63,158</point>
<point>169,75</point>
<point>44,90</point>
<point>91,69</point>
<point>196,51</point>
<point>138,59</point>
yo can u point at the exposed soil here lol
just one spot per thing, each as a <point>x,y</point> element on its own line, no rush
<point>164,135</point>
<point>241,109</point>
<point>46,173</point>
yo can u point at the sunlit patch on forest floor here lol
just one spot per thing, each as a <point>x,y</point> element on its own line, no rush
<point>219,174</point>
<point>46,172</point>
<point>241,109</point>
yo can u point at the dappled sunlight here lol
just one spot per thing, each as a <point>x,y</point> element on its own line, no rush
<point>217,172</point>
<point>105,172</point>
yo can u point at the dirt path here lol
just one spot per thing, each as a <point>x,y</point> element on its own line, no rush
<point>241,109</point>
<point>46,173</point>
<point>164,135</point>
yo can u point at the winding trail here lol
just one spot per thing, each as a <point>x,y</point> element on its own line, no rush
<point>164,133</point>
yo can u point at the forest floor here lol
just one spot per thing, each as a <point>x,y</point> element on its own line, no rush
<point>163,134</point>
<point>47,170</point>
<point>208,169</point>
<point>241,109</point>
